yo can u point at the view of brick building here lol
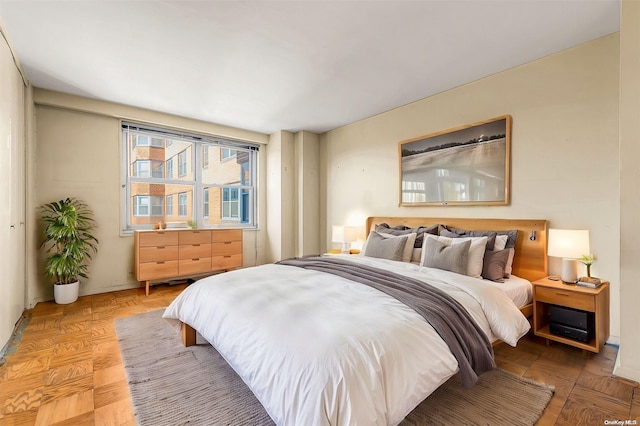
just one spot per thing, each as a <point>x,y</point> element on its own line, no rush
<point>165,173</point>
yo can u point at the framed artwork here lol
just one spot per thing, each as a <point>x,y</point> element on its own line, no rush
<point>468,165</point>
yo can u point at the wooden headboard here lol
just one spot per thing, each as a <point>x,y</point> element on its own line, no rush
<point>530,260</point>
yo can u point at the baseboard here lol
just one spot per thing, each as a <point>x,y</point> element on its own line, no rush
<point>16,334</point>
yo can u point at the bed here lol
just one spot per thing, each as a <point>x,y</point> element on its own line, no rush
<point>321,348</point>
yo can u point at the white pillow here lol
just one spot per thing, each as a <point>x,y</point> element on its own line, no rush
<point>509,268</point>
<point>408,246</point>
<point>476,252</point>
<point>501,242</point>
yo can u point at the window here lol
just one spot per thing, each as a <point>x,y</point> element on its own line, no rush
<point>170,168</point>
<point>230,204</point>
<point>145,140</point>
<point>205,208</point>
<point>226,153</point>
<point>183,177</point>
<point>146,205</point>
<point>148,168</point>
<point>141,206</point>
<point>182,204</point>
<point>182,163</point>
<point>205,156</point>
<point>141,168</point>
<point>170,205</point>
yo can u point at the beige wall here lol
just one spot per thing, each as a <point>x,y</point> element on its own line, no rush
<point>564,151</point>
<point>628,362</point>
<point>77,154</point>
<point>307,166</point>
<point>281,198</point>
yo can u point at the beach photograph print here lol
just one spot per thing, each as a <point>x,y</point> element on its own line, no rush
<point>468,165</point>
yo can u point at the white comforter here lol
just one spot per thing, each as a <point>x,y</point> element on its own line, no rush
<point>317,349</point>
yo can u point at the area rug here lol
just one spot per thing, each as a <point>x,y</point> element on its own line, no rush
<point>174,385</point>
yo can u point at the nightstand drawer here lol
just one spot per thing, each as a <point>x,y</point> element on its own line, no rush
<point>568,298</point>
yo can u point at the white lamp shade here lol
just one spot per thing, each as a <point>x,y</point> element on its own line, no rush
<point>345,234</point>
<point>568,243</point>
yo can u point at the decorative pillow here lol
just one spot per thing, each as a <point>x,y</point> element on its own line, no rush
<point>403,230</point>
<point>500,243</point>
<point>476,252</point>
<point>511,234</point>
<point>491,237</point>
<point>495,262</point>
<point>508,268</point>
<point>408,248</point>
<point>452,257</point>
<point>385,248</point>
<point>416,255</point>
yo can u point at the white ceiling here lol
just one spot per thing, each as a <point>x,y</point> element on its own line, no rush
<point>291,65</point>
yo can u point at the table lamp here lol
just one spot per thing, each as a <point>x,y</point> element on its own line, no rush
<point>570,245</point>
<point>345,235</point>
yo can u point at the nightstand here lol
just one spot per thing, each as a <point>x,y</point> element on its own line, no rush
<point>547,292</point>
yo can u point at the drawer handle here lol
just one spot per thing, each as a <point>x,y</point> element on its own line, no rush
<point>196,245</point>
<point>160,263</point>
<point>160,232</point>
<point>227,242</point>
<point>562,294</point>
<point>226,257</point>
<point>195,232</point>
<point>160,247</point>
<point>196,259</point>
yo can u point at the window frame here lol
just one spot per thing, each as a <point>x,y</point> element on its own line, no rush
<point>193,159</point>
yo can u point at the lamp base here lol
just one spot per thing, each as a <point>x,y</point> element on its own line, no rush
<point>346,247</point>
<point>569,271</point>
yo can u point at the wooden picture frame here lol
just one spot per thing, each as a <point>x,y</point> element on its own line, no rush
<point>467,165</point>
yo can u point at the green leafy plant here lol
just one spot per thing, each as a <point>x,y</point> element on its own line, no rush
<point>588,260</point>
<point>68,239</point>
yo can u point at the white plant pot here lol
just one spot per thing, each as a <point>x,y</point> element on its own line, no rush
<point>66,293</point>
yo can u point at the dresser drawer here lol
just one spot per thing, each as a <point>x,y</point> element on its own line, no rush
<point>225,249</point>
<point>195,237</point>
<point>156,270</point>
<point>571,299</point>
<point>193,251</point>
<point>158,238</point>
<point>195,266</point>
<point>226,262</point>
<point>158,253</point>
<point>225,235</point>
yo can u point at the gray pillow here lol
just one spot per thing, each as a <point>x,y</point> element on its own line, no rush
<point>385,248</point>
<point>495,263</point>
<point>403,230</point>
<point>511,234</point>
<point>450,258</point>
<point>491,236</point>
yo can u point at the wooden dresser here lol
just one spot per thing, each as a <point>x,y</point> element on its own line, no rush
<point>184,252</point>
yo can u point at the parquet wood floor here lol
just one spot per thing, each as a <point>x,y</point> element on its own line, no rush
<point>67,369</point>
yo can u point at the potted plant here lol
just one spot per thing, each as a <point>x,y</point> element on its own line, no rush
<point>69,244</point>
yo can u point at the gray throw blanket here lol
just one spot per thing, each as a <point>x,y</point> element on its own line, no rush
<point>448,317</point>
